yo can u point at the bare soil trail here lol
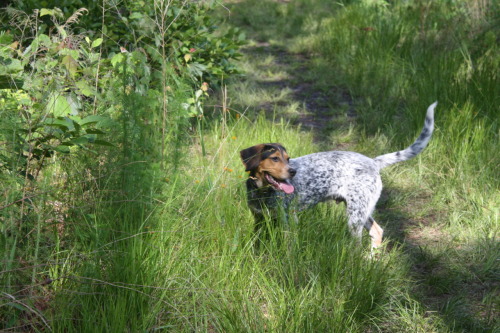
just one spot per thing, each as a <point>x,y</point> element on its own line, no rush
<point>317,108</point>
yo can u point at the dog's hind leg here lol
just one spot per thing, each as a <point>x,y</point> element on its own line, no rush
<point>375,231</point>
<point>357,218</point>
<point>359,213</point>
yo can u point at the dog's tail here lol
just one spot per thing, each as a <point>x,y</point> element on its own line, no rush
<point>415,148</point>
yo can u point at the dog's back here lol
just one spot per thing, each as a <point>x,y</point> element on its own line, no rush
<point>331,175</point>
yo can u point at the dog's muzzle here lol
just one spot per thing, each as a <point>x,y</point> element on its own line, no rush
<point>281,185</point>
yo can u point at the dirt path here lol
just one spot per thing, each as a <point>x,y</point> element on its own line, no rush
<point>292,75</point>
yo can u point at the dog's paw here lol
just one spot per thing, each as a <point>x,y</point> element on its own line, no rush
<point>376,253</point>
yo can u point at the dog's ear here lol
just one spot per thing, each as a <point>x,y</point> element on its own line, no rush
<point>251,157</point>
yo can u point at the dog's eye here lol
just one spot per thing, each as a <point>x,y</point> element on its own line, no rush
<point>275,159</point>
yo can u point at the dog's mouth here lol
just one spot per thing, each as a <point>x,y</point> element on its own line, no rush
<point>280,185</point>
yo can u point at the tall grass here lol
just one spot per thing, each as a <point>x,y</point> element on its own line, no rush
<point>189,261</point>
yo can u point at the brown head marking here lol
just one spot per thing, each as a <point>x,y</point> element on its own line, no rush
<point>268,164</point>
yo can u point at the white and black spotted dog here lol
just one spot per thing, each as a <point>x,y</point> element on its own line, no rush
<point>275,179</point>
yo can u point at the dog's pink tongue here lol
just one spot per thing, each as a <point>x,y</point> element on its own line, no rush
<point>287,187</point>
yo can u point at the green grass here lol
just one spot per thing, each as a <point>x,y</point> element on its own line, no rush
<point>443,207</point>
<point>134,247</point>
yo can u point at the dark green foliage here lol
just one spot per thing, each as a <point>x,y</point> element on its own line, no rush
<point>184,32</point>
<point>92,117</point>
<point>48,101</point>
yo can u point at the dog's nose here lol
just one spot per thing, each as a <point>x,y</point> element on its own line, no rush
<point>292,172</point>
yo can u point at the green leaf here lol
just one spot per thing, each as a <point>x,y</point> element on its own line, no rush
<point>196,69</point>
<point>103,143</point>
<point>85,89</point>
<point>76,125</point>
<point>10,66</point>
<point>6,38</point>
<point>62,31</point>
<point>70,64</point>
<point>198,93</point>
<point>45,11</point>
<point>6,82</point>
<point>73,103</point>
<point>75,54</point>
<point>117,58</point>
<point>63,123</point>
<point>62,149</point>
<point>135,15</point>
<point>44,40</point>
<point>94,131</point>
<point>58,106</point>
<point>92,120</point>
<point>17,306</point>
<point>80,141</point>
<point>96,43</point>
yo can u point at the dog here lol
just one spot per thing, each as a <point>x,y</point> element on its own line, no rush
<point>276,181</point>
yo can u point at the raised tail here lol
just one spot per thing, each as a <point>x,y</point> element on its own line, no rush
<point>416,147</point>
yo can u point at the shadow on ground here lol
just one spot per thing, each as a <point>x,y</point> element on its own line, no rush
<point>465,299</point>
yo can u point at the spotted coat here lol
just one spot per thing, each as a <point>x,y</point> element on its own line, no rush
<point>334,175</point>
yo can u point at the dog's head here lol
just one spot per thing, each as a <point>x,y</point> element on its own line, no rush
<point>268,165</point>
